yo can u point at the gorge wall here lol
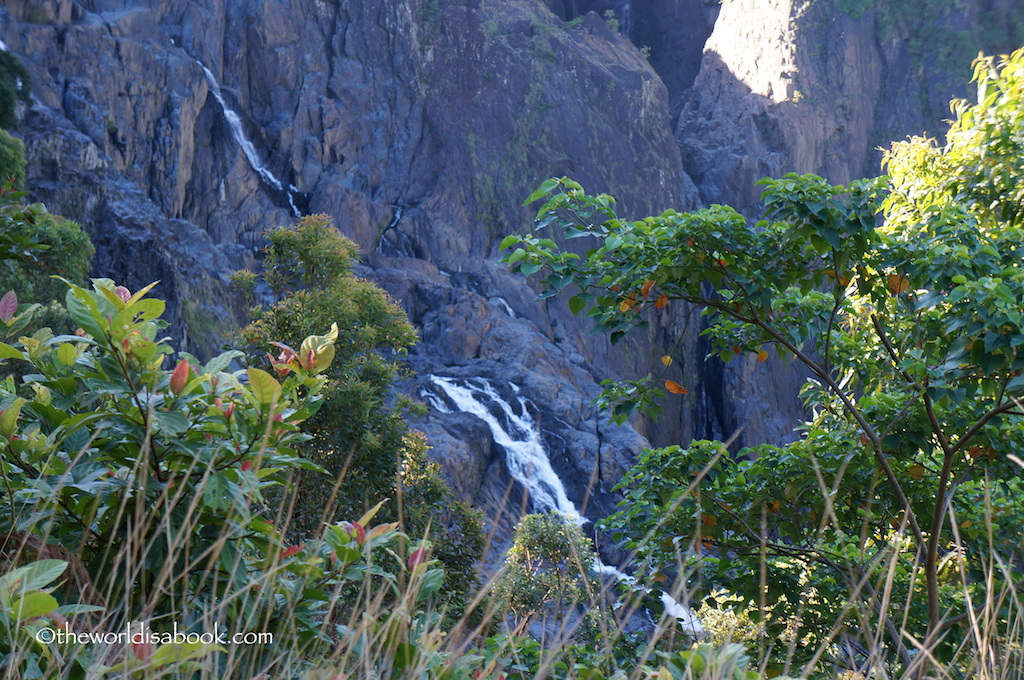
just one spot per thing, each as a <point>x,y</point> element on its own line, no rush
<point>419,126</point>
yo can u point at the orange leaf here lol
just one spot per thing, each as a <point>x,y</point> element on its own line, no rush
<point>736,349</point>
<point>762,356</point>
<point>662,301</point>
<point>898,284</point>
<point>675,388</point>
<point>917,472</point>
<point>627,305</point>
<point>773,506</point>
<point>646,290</point>
<point>708,520</point>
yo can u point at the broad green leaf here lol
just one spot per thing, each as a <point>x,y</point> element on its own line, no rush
<point>529,268</point>
<point>9,417</point>
<point>33,604</point>
<point>517,255</point>
<point>543,190</point>
<point>264,386</point>
<point>67,354</point>
<point>220,493</point>
<point>221,361</point>
<point>85,313</point>
<point>112,297</point>
<point>143,310</point>
<point>8,352</point>
<point>43,396</point>
<point>176,653</point>
<point>34,576</point>
<point>170,422</point>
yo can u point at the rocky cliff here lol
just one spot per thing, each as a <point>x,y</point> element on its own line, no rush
<point>420,126</point>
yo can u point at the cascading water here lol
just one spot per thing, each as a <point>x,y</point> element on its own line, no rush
<point>392,242</point>
<point>514,429</point>
<point>235,123</point>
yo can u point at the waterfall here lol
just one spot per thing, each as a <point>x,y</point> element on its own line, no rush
<point>514,429</point>
<point>235,123</point>
<point>626,19</point>
<point>400,245</point>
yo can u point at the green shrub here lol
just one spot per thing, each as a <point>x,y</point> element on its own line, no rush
<point>67,252</point>
<point>359,437</point>
<point>12,160</point>
<point>153,483</point>
<point>548,574</point>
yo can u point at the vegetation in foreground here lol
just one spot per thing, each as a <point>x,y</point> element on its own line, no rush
<point>165,497</point>
<point>889,531</point>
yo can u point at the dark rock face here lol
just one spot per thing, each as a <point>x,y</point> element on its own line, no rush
<point>419,126</point>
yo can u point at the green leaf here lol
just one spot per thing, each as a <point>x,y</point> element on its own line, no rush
<point>517,255</point>
<point>529,268</point>
<point>34,604</point>
<point>84,312</point>
<point>170,422</point>
<point>432,582</point>
<point>577,304</point>
<point>543,190</point>
<point>264,386</point>
<point>34,576</point>
<point>179,652</point>
<point>67,354</point>
<point>219,492</point>
<point>9,417</point>
<point>143,310</point>
<point>8,352</point>
<point>221,361</point>
<point>508,241</point>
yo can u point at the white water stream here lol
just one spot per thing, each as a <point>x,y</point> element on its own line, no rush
<point>527,458</point>
<point>515,430</point>
<point>235,123</point>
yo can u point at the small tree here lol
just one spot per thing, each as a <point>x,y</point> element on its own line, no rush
<point>360,434</point>
<point>12,160</point>
<point>360,437</point>
<point>548,572</point>
<point>902,486</point>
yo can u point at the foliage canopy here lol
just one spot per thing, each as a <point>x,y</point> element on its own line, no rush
<point>911,327</point>
<point>360,436</point>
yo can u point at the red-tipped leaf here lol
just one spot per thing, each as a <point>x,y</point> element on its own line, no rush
<point>179,377</point>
